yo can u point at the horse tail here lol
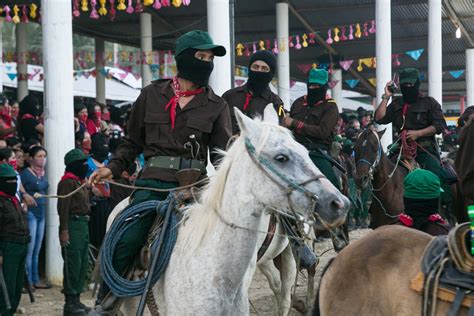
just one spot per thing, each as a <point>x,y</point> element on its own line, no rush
<point>316,311</point>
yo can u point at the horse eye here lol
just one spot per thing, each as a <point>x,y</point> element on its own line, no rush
<point>281,158</point>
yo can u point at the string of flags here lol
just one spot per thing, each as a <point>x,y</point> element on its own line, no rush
<point>94,8</point>
<point>339,33</point>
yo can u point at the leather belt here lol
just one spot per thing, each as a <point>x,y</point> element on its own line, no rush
<point>175,163</point>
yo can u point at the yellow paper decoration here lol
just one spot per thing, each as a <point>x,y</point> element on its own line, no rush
<point>84,5</point>
<point>336,34</point>
<point>305,42</point>
<point>33,8</point>
<point>282,46</point>
<point>314,66</point>
<point>373,81</point>
<point>360,68</point>
<point>239,48</point>
<point>148,2</point>
<point>121,6</point>
<point>16,18</point>
<point>102,10</point>
<point>358,33</point>
<point>149,58</point>
<point>367,61</point>
<point>176,3</point>
<point>261,45</point>
<point>109,56</point>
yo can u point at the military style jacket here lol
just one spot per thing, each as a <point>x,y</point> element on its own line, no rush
<point>313,125</point>
<point>465,163</point>
<point>13,221</point>
<point>77,204</point>
<point>150,130</point>
<point>251,105</point>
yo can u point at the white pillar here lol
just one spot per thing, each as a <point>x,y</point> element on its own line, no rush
<point>284,53</point>
<point>22,65</point>
<point>336,91</point>
<point>383,51</point>
<point>99,65</point>
<point>435,51</point>
<point>218,26</point>
<point>56,20</point>
<point>470,76</point>
<point>146,41</point>
<point>1,55</point>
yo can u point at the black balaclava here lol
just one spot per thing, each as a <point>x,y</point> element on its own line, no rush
<point>8,186</point>
<point>79,168</point>
<point>420,210</point>
<point>316,94</point>
<point>192,69</point>
<point>99,147</point>
<point>30,105</point>
<point>115,139</point>
<point>258,81</point>
<point>410,94</point>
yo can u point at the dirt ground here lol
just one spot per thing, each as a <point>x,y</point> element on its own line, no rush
<point>50,302</point>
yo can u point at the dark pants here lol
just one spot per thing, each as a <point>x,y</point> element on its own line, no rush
<point>325,166</point>
<point>129,246</point>
<point>14,255</point>
<point>75,256</point>
<point>431,161</point>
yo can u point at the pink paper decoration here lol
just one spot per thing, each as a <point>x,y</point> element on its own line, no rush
<point>268,46</point>
<point>186,2</point>
<point>343,33</point>
<point>332,83</point>
<point>130,9</point>
<point>24,18</point>
<point>157,5</point>
<point>139,7</point>
<point>351,33</point>
<point>346,64</point>
<point>112,10</point>
<point>290,42</point>
<point>366,32</point>
<point>7,11</point>
<point>75,11</point>
<point>329,40</point>
<point>312,38</point>
<point>165,3</point>
<point>247,51</point>
<point>298,45</point>
<point>94,15</point>
<point>254,47</point>
<point>275,46</point>
<point>372,27</point>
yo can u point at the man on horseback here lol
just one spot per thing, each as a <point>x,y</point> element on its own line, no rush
<point>174,122</point>
<point>252,97</point>
<point>416,118</point>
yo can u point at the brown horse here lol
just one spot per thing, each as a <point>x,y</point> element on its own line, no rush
<point>372,276</point>
<point>385,179</point>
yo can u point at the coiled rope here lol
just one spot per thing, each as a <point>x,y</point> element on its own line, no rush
<point>409,147</point>
<point>120,286</point>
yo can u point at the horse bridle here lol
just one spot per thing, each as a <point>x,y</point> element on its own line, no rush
<point>373,165</point>
<point>277,177</point>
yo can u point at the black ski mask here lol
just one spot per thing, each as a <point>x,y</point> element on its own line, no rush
<point>8,186</point>
<point>410,94</point>
<point>258,81</point>
<point>192,69</point>
<point>316,94</point>
<point>99,147</point>
<point>79,168</point>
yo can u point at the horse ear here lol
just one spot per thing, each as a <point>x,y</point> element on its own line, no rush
<point>246,124</point>
<point>270,115</point>
<point>381,132</point>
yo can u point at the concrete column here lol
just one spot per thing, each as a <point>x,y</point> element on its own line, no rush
<point>218,26</point>
<point>470,76</point>
<point>336,91</point>
<point>22,65</point>
<point>99,65</point>
<point>146,41</point>
<point>56,20</point>
<point>284,53</point>
<point>435,51</point>
<point>383,51</point>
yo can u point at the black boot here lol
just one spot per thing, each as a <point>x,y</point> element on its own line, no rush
<point>70,308</point>
<point>77,301</point>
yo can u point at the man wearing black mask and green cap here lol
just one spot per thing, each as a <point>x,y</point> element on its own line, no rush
<point>421,117</point>
<point>312,119</point>
<point>14,239</point>
<point>167,115</point>
<point>74,231</point>
<point>252,97</point>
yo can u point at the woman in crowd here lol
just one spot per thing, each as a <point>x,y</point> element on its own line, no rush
<point>29,124</point>
<point>95,116</point>
<point>34,181</point>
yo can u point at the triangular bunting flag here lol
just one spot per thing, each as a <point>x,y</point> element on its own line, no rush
<point>8,68</point>
<point>12,76</point>
<point>415,54</point>
<point>123,76</point>
<point>456,73</point>
<point>422,76</point>
<point>137,76</point>
<point>352,83</point>
<point>346,64</point>
<point>373,81</point>
<point>333,83</point>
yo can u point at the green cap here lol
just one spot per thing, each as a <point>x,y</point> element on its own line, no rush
<point>409,75</point>
<point>198,40</point>
<point>318,76</point>
<point>421,184</point>
<point>7,171</point>
<point>74,155</point>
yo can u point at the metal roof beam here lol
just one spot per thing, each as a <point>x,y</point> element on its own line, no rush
<point>457,22</point>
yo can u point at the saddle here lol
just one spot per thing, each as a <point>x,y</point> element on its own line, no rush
<point>447,272</point>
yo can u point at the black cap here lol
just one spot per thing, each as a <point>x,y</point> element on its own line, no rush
<point>266,56</point>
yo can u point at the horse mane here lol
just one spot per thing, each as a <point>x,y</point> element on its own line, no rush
<point>204,213</point>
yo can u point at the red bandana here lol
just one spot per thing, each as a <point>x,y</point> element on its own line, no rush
<point>248,96</point>
<point>70,175</point>
<point>175,99</point>
<point>11,198</point>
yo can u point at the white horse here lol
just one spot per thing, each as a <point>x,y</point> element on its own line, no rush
<point>214,258</point>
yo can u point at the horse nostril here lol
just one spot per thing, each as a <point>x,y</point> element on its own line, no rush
<point>337,205</point>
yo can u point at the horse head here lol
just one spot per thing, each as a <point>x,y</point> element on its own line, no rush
<point>368,152</point>
<point>289,182</point>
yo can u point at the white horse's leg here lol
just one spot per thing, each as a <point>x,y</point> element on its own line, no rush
<point>288,276</point>
<point>273,276</point>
